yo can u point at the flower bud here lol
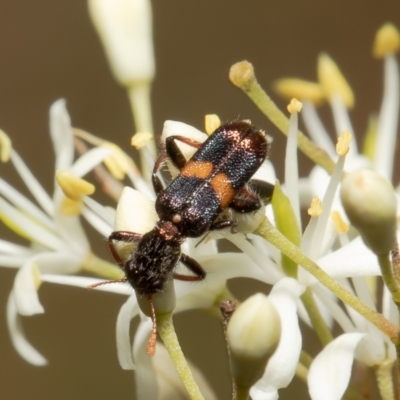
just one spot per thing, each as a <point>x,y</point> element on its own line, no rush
<point>125,28</point>
<point>253,335</point>
<point>370,204</point>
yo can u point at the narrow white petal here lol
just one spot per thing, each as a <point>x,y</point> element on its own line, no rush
<point>342,120</point>
<point>14,249</point>
<point>25,289</point>
<point>145,376</point>
<point>388,117</point>
<point>354,259</point>
<point>330,371</point>
<point>35,231</point>
<point>101,226</point>
<point>124,348</point>
<point>272,274</point>
<point>89,160</point>
<point>32,184</point>
<point>141,185</point>
<point>12,261</point>
<point>23,347</point>
<point>282,365</point>
<point>316,129</point>
<point>61,134</point>
<point>25,205</point>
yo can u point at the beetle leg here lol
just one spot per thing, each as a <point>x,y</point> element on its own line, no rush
<point>157,185</point>
<point>193,266</point>
<point>175,153</point>
<point>122,236</point>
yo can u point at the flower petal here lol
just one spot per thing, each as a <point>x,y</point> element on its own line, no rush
<point>61,134</point>
<point>25,349</point>
<point>330,371</point>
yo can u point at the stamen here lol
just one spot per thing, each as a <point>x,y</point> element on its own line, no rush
<point>212,122</point>
<point>340,224</point>
<point>72,186</point>
<point>151,345</point>
<point>294,106</point>
<point>118,163</point>
<point>140,139</point>
<point>343,142</point>
<point>387,41</point>
<point>299,88</point>
<point>5,147</point>
<point>315,207</point>
<point>333,82</point>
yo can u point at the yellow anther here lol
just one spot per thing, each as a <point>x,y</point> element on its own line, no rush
<point>72,186</point>
<point>70,208</point>
<point>299,88</point>
<point>387,41</point>
<point>5,147</point>
<point>294,106</point>
<point>343,142</point>
<point>118,163</point>
<point>212,122</point>
<point>333,82</point>
<point>340,224</point>
<point>140,139</point>
<point>315,207</point>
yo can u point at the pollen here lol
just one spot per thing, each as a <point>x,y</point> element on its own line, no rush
<point>294,106</point>
<point>5,147</point>
<point>118,163</point>
<point>387,41</point>
<point>340,225</point>
<point>315,207</point>
<point>298,88</point>
<point>333,82</point>
<point>72,186</point>
<point>140,139</point>
<point>342,145</point>
<point>212,122</point>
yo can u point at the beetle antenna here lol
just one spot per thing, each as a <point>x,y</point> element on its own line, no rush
<point>151,345</point>
<point>95,285</point>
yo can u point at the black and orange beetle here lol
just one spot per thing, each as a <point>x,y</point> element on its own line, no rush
<point>214,179</point>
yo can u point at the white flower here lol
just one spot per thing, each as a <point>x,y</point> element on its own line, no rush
<point>58,242</point>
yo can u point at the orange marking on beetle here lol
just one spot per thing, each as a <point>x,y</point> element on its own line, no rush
<point>223,189</point>
<point>199,169</point>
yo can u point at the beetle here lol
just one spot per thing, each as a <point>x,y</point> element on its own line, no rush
<point>213,180</point>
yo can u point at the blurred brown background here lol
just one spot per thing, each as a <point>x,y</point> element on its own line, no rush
<point>48,50</point>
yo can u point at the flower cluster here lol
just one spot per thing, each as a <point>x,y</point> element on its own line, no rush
<point>324,274</point>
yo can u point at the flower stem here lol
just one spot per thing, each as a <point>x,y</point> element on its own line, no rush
<point>388,277</point>
<point>318,323</point>
<point>271,234</point>
<point>167,333</point>
<point>242,75</point>
<point>139,97</point>
<point>384,380</point>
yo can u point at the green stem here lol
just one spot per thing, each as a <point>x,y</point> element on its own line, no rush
<point>139,97</point>
<point>387,275</point>
<point>167,333</point>
<point>318,323</point>
<point>242,393</point>
<point>271,234</point>
<point>384,380</point>
<point>242,75</point>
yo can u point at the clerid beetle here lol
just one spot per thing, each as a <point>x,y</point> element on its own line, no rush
<point>214,179</point>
